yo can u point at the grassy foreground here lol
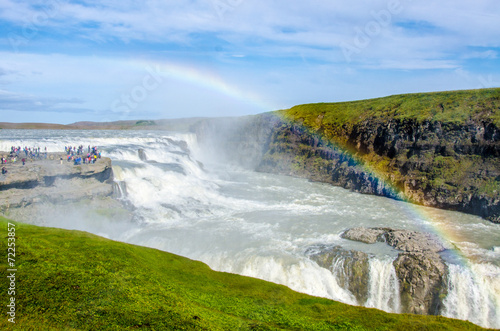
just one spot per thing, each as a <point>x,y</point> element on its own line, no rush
<point>69,280</point>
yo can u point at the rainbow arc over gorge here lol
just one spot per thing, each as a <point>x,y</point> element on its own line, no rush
<point>425,217</point>
<point>436,222</point>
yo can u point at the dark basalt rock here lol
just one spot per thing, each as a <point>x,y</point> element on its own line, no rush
<point>404,240</point>
<point>422,277</point>
<point>142,155</point>
<point>365,235</point>
<point>443,165</point>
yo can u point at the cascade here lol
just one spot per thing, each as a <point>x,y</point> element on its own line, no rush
<point>263,225</point>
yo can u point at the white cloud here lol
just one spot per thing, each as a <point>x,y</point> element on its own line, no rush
<point>317,27</point>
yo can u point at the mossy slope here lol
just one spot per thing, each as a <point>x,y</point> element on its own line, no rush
<point>449,107</point>
<point>71,280</point>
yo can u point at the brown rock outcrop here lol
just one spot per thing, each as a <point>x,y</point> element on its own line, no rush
<point>420,269</point>
<point>53,180</point>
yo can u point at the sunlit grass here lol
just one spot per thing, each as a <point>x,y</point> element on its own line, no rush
<point>450,107</point>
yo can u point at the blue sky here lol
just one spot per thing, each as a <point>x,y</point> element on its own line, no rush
<point>64,61</point>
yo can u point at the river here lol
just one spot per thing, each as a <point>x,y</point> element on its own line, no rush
<point>261,225</point>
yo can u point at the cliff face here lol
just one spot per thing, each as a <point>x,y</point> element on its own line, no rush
<point>450,166</point>
<point>446,165</point>
<point>295,151</point>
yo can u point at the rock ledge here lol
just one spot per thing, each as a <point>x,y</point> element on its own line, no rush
<point>53,180</point>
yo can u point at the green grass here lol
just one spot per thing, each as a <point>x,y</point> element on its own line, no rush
<point>71,280</point>
<point>452,107</point>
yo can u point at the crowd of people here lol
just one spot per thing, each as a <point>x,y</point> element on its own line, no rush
<point>77,155</point>
<point>28,152</point>
<point>16,153</point>
<point>23,153</point>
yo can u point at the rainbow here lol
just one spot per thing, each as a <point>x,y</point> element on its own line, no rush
<point>427,218</point>
<point>205,79</point>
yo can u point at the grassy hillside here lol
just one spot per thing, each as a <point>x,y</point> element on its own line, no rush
<point>74,280</point>
<point>451,106</point>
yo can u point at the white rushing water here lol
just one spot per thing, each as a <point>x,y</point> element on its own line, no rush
<point>384,286</point>
<point>261,225</point>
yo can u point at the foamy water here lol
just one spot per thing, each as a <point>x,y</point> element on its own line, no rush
<point>261,225</point>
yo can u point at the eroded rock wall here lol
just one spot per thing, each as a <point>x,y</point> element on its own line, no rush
<point>455,167</point>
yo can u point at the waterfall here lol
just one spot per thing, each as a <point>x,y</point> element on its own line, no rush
<point>301,275</point>
<point>260,225</point>
<point>119,184</point>
<point>119,189</point>
<point>474,294</point>
<point>383,289</point>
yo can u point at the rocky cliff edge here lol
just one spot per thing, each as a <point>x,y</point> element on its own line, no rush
<point>53,179</point>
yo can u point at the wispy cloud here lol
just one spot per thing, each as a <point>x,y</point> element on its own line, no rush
<point>489,54</point>
<point>6,72</point>
<point>316,26</point>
